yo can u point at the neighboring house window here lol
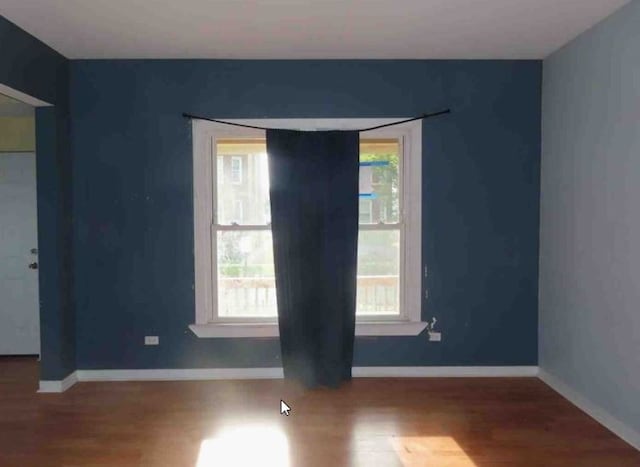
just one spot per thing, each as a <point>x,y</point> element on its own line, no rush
<point>236,169</point>
<point>235,280</point>
<point>220,170</point>
<point>383,212</point>
<point>365,211</point>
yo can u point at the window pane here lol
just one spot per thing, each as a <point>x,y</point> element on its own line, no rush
<point>243,182</point>
<point>379,181</point>
<point>236,169</point>
<point>246,281</point>
<point>378,290</point>
<point>220,169</point>
<point>366,211</point>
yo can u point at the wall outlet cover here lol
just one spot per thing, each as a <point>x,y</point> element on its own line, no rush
<point>151,340</point>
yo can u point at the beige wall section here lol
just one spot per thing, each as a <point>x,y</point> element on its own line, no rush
<point>17,134</point>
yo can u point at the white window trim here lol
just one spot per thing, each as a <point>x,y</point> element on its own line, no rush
<point>204,184</point>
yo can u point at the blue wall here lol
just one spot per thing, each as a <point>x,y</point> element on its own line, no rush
<point>132,198</point>
<point>30,66</point>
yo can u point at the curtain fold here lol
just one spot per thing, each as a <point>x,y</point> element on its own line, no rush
<point>314,221</point>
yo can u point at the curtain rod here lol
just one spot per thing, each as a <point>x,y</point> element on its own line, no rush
<point>421,117</point>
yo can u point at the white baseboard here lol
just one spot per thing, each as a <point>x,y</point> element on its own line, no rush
<point>190,374</point>
<point>444,371</point>
<point>59,385</point>
<point>194,374</point>
<point>595,411</point>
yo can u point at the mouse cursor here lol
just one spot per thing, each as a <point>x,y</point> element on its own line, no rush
<point>284,408</point>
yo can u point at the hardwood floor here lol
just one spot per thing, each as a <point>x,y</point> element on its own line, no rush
<point>368,422</point>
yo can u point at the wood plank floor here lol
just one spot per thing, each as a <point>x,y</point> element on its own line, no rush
<point>368,422</point>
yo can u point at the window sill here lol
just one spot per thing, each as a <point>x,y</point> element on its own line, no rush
<point>381,328</point>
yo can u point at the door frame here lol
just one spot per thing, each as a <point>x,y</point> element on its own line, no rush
<point>39,124</point>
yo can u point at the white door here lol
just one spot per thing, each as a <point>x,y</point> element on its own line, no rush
<point>19,302</point>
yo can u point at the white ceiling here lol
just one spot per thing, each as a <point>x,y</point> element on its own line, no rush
<point>288,29</point>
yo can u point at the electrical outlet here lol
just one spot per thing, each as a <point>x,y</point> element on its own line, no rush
<point>151,340</point>
<point>435,336</point>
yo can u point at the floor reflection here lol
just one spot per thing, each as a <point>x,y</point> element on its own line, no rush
<point>430,450</point>
<point>248,445</point>
<point>384,438</point>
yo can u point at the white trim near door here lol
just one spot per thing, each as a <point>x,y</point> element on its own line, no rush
<point>60,385</point>
<point>22,97</point>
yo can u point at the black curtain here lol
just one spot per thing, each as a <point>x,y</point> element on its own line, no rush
<point>314,220</point>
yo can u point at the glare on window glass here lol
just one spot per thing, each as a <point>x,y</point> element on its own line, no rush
<point>243,185</point>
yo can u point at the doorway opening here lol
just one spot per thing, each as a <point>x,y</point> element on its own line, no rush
<point>19,290</point>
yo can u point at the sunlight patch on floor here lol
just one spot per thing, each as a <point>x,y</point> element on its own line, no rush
<point>242,446</point>
<point>442,451</point>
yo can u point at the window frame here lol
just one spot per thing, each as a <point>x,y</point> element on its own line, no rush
<point>208,324</point>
